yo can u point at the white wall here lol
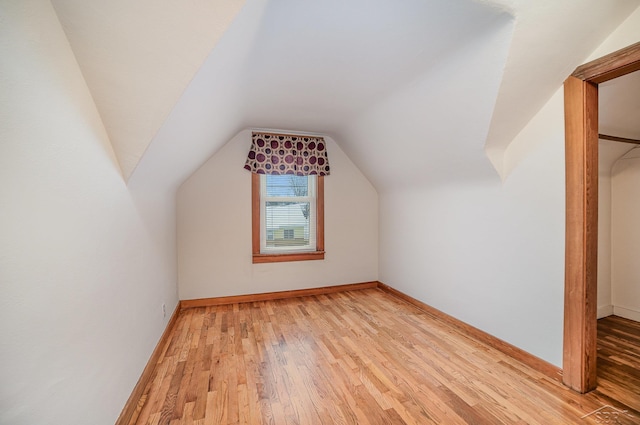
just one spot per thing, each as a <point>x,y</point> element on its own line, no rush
<point>489,254</point>
<point>454,235</point>
<point>605,308</point>
<point>626,34</point>
<point>608,154</point>
<point>214,230</point>
<point>625,230</point>
<point>83,267</point>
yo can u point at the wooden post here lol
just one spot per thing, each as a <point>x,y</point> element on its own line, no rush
<point>580,298</point>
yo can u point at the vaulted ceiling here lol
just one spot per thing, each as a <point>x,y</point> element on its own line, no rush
<point>438,88</point>
<point>137,58</point>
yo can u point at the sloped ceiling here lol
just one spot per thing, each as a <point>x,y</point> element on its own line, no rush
<point>550,39</point>
<point>321,64</point>
<point>138,56</point>
<point>425,83</point>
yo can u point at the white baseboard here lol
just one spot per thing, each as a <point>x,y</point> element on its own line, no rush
<point>604,311</point>
<point>627,313</point>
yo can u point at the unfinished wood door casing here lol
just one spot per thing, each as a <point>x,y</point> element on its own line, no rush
<point>581,243</point>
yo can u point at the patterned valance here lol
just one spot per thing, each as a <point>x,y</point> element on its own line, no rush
<point>287,154</point>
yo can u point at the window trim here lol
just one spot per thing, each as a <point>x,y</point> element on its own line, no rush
<point>258,257</point>
<point>311,198</point>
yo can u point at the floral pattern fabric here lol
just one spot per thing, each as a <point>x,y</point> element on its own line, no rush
<point>287,154</point>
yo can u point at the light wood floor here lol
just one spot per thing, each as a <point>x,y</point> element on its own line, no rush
<point>360,357</point>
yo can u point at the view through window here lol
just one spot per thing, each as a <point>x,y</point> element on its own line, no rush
<point>289,218</point>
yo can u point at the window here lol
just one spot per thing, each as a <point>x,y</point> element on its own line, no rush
<point>287,196</point>
<point>288,218</point>
<point>288,212</point>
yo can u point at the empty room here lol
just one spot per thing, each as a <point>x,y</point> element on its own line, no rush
<point>332,212</point>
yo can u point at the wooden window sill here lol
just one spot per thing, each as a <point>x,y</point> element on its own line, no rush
<point>279,258</point>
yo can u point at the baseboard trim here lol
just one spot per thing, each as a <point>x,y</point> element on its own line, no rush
<point>626,313</point>
<point>512,351</point>
<point>134,404</point>
<point>269,296</point>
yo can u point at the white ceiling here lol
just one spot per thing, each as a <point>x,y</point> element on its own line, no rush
<point>320,64</point>
<point>441,79</point>
<point>137,58</point>
<point>550,39</point>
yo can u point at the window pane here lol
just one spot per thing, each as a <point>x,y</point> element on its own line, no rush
<point>287,223</point>
<point>287,185</point>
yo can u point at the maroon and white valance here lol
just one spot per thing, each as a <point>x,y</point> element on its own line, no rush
<point>287,154</point>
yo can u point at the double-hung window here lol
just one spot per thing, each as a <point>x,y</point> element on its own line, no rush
<point>287,196</point>
<point>288,218</point>
<point>288,213</point>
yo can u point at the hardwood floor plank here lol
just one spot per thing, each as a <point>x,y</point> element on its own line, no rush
<point>619,363</point>
<point>366,358</point>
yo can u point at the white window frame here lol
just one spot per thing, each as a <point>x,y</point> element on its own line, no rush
<point>311,198</point>
<point>257,256</point>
